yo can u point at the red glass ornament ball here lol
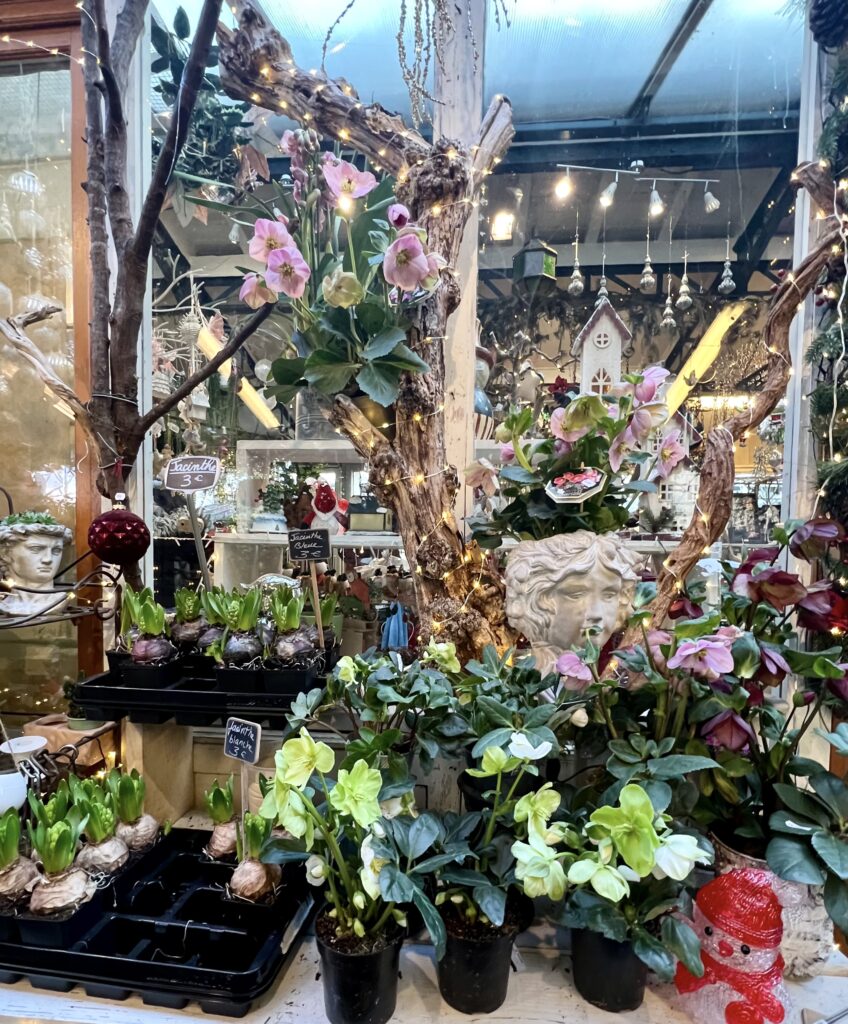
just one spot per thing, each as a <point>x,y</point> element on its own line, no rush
<point>119,537</point>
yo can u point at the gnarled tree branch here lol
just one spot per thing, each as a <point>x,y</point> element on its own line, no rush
<point>128,28</point>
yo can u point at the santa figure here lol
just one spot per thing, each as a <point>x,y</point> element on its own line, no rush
<point>738,920</point>
<point>328,511</point>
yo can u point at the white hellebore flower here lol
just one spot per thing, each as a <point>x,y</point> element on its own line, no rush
<point>579,719</point>
<point>521,747</point>
<point>677,855</point>
<point>372,865</point>
<point>316,869</point>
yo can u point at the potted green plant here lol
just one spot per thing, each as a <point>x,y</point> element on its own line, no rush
<point>220,805</point>
<point>62,887</point>
<point>238,652</point>
<point>188,623</point>
<point>103,852</point>
<point>621,875</point>
<point>153,657</point>
<point>253,880</point>
<point>332,828</point>
<point>16,871</point>
<point>137,829</point>
<point>128,630</point>
<point>213,614</point>
<point>292,652</point>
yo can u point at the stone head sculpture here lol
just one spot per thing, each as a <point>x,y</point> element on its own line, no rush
<point>30,555</point>
<point>558,588</point>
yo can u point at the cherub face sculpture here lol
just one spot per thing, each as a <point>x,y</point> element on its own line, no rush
<point>557,589</point>
<point>30,555</point>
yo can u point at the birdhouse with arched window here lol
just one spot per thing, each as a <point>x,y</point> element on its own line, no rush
<point>599,346</point>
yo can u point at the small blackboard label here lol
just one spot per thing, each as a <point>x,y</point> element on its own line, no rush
<point>189,473</point>
<point>242,739</point>
<point>311,545</point>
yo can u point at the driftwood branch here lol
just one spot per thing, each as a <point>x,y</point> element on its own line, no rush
<point>237,339</point>
<point>128,28</point>
<point>715,492</point>
<point>459,593</point>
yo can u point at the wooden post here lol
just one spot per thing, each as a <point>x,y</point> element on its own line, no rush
<point>197,533</point>
<point>316,602</point>
<point>457,115</point>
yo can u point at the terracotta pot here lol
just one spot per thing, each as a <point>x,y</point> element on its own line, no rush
<point>807,930</point>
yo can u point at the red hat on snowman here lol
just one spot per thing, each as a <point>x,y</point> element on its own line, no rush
<point>743,904</point>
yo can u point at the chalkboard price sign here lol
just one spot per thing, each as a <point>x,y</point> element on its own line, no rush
<point>310,545</point>
<point>242,739</point>
<point>188,473</point>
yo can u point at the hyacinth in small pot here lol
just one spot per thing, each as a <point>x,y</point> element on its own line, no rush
<point>104,852</point>
<point>137,829</point>
<point>253,880</point>
<point>220,805</point>
<point>152,656</point>
<point>620,876</point>
<point>238,650</point>
<point>62,886</point>
<point>16,871</point>
<point>188,621</point>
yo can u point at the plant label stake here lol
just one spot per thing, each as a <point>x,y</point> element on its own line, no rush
<point>187,474</point>
<point>241,742</point>
<point>312,546</point>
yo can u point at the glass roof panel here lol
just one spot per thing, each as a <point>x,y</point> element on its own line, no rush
<point>576,58</point>
<point>742,58</point>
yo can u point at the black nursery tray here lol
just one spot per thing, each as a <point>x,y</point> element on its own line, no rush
<point>195,699</point>
<point>166,929</point>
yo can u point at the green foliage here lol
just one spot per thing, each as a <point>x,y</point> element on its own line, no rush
<point>55,808</point>
<point>239,612</point>
<point>127,790</point>
<point>219,801</point>
<point>188,604</point>
<point>286,608</point>
<point>56,844</point>
<point>257,832</point>
<point>10,837</point>
<point>28,519</point>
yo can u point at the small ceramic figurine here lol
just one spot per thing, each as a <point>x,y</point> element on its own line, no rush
<point>738,920</point>
<point>31,548</point>
<point>558,588</point>
<point>328,511</point>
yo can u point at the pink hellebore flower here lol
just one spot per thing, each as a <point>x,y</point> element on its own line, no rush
<point>558,427</point>
<point>646,418</point>
<point>398,215</point>
<point>482,474</point>
<point>657,639</point>
<point>704,657</point>
<point>773,667</point>
<point>268,235</point>
<point>575,675</point>
<point>406,264</point>
<point>255,292</point>
<point>435,262</point>
<point>682,608</point>
<point>774,586</point>
<point>728,730</point>
<point>621,447</point>
<point>646,389</point>
<point>287,271</point>
<point>814,538</point>
<point>728,633</point>
<point>289,144</point>
<point>670,453</point>
<point>839,687</point>
<point>507,453</point>
<point>344,179</point>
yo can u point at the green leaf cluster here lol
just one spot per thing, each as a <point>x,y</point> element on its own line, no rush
<point>219,801</point>
<point>10,837</point>
<point>56,844</point>
<point>127,791</point>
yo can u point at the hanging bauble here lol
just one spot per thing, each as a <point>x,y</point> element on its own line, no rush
<point>668,321</point>
<point>684,299</point>
<point>576,286</point>
<point>603,294</point>
<point>648,280</point>
<point>726,285</point>
<point>829,23</point>
<point>119,537</point>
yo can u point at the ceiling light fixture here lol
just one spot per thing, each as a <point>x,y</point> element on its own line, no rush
<point>711,204</point>
<point>503,223</point>
<point>564,187</point>
<point>608,193</point>
<point>657,206</point>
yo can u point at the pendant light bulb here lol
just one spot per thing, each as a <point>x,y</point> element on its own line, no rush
<point>711,204</point>
<point>608,194</point>
<point>657,206</point>
<point>564,187</point>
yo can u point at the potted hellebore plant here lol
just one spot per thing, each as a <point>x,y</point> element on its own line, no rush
<point>137,829</point>
<point>219,804</point>
<point>360,931</point>
<point>16,871</point>
<point>621,874</point>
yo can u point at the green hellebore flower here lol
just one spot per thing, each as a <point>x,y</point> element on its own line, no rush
<point>536,809</point>
<point>342,288</point>
<point>303,757</point>
<point>630,826</point>
<point>346,669</point>
<point>356,791</point>
<point>495,761</point>
<point>605,880</point>
<point>585,411</point>
<point>296,819</point>
<point>444,655</point>
<point>538,868</point>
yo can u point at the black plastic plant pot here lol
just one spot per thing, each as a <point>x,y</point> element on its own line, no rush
<point>60,930</point>
<point>607,974</point>
<point>288,682</point>
<point>149,677</point>
<point>198,666</point>
<point>474,974</point>
<point>360,988</point>
<point>240,680</point>
<point>115,659</point>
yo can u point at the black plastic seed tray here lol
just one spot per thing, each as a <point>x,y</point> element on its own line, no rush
<point>167,930</point>
<point>193,700</point>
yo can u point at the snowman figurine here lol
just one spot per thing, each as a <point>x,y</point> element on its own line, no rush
<point>328,511</point>
<point>737,917</point>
